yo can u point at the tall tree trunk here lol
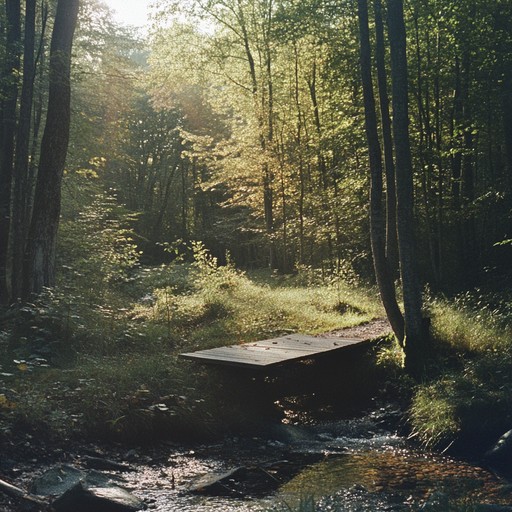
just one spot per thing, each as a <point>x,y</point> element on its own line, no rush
<point>507,122</point>
<point>265,138</point>
<point>38,100</point>
<point>415,334</point>
<point>387,139</point>
<point>467,254</point>
<point>455,124</point>
<point>438,256</point>
<point>377,219</point>
<point>426,138</point>
<point>298,140</point>
<point>322,164</point>
<point>164,203</point>
<point>9,95</point>
<point>40,255</point>
<point>268,174</point>
<point>21,189</point>
<point>184,168</point>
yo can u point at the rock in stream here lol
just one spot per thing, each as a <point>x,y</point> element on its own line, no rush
<point>75,490</point>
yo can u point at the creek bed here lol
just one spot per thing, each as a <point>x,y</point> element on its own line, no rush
<point>357,464</point>
<point>359,468</point>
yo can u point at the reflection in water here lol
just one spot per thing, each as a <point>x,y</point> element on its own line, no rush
<point>399,476</point>
<point>376,474</point>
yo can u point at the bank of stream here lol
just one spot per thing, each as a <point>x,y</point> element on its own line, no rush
<point>353,464</point>
<point>319,441</point>
<point>346,465</point>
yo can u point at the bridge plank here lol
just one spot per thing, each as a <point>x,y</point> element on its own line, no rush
<point>271,352</point>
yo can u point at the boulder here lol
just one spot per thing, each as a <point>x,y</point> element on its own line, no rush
<point>82,498</point>
<point>500,455</point>
<point>240,482</point>
<point>76,490</point>
<point>254,480</point>
<point>58,480</point>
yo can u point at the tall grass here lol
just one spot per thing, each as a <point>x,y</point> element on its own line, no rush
<point>121,376</point>
<point>221,305</point>
<point>469,396</point>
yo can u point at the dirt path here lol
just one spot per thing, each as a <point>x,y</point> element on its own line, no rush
<point>369,330</point>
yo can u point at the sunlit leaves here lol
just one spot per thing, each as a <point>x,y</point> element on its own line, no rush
<point>100,242</point>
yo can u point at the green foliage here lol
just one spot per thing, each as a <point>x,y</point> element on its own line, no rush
<point>97,246</point>
<point>226,305</point>
<point>232,128</point>
<point>471,396</point>
<point>113,368</point>
<point>391,357</point>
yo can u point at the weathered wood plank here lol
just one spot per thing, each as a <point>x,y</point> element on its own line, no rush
<point>271,352</point>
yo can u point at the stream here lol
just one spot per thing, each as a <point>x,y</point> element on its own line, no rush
<point>319,453</point>
<point>355,464</point>
<point>346,465</point>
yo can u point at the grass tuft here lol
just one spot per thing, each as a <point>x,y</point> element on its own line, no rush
<point>469,397</point>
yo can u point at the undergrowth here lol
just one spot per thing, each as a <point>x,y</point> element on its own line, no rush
<point>105,363</point>
<point>468,397</point>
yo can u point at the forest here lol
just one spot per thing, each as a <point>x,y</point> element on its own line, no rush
<point>245,169</point>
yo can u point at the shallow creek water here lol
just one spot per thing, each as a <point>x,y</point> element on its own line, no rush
<point>356,466</point>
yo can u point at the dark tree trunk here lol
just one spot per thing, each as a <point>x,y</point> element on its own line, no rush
<point>298,138</point>
<point>40,254</point>
<point>507,131</point>
<point>439,235</point>
<point>507,122</point>
<point>21,189</point>
<point>9,95</point>
<point>164,204</point>
<point>268,179</point>
<point>468,252</point>
<point>326,182</point>
<point>387,139</point>
<point>267,175</point>
<point>377,217</point>
<point>38,100</point>
<point>415,334</point>
<point>455,123</point>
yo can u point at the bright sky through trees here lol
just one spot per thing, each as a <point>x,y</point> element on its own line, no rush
<point>130,12</point>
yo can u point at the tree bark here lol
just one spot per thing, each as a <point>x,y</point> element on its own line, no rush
<point>507,122</point>
<point>455,124</point>
<point>415,335</point>
<point>298,139</point>
<point>265,138</point>
<point>322,164</point>
<point>377,218</point>
<point>387,139</point>
<point>40,253</point>
<point>21,189</point>
<point>9,95</point>
<point>468,250</point>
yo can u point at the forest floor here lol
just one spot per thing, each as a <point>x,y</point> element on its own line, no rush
<point>110,372</point>
<point>367,330</point>
<point>25,454</point>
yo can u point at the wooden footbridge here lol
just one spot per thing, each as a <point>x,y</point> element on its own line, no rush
<point>273,352</point>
